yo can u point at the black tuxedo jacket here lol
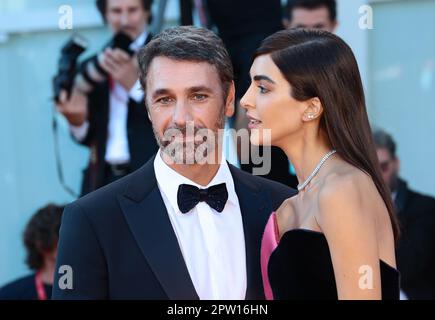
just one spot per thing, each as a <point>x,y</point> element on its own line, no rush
<point>141,141</point>
<point>415,249</point>
<point>120,244</point>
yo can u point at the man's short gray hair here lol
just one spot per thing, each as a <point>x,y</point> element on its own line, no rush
<point>188,43</point>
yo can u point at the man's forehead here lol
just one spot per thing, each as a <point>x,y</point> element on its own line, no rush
<point>119,3</point>
<point>170,72</point>
<point>168,62</point>
<point>316,13</point>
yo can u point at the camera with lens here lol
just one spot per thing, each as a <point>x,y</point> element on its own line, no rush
<point>90,73</point>
<point>64,79</point>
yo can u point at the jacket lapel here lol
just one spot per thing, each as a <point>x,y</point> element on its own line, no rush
<point>255,207</point>
<point>146,215</point>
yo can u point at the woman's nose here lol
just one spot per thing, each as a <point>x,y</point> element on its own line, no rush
<point>246,102</point>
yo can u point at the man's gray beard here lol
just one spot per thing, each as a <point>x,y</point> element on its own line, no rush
<point>184,153</point>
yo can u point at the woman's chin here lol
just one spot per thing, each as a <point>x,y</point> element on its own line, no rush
<point>257,141</point>
<point>258,138</point>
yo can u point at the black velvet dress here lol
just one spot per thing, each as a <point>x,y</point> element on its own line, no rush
<point>300,267</point>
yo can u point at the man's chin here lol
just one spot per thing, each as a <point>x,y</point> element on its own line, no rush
<point>188,155</point>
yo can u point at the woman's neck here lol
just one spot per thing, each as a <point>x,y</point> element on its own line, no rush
<point>305,153</point>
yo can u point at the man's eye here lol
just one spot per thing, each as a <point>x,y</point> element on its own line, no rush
<point>116,11</point>
<point>199,97</point>
<point>319,26</point>
<point>263,89</point>
<point>164,100</point>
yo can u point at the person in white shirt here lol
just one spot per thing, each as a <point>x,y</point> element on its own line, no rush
<point>111,118</point>
<point>174,229</point>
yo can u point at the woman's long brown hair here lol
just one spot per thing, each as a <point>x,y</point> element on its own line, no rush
<point>320,64</point>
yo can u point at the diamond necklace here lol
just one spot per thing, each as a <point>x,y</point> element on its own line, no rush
<point>313,174</point>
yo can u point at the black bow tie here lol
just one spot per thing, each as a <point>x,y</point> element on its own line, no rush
<point>188,197</point>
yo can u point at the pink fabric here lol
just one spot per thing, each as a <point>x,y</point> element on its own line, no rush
<point>268,245</point>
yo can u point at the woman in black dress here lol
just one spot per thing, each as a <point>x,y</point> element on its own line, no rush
<point>335,239</point>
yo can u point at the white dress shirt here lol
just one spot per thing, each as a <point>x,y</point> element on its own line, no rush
<point>117,150</point>
<point>212,243</point>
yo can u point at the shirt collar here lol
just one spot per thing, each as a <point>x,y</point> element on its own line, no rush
<point>169,180</point>
<point>139,42</point>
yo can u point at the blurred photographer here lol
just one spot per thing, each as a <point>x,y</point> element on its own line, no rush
<point>105,107</point>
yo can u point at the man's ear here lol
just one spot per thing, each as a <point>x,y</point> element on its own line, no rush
<point>149,115</point>
<point>148,111</point>
<point>313,109</point>
<point>229,105</point>
<point>148,17</point>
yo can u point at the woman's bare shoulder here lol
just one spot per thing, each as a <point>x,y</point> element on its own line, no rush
<point>343,192</point>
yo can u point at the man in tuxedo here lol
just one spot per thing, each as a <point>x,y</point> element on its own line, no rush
<point>415,250</point>
<point>176,228</point>
<point>110,118</point>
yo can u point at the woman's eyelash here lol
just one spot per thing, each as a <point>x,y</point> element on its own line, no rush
<point>263,89</point>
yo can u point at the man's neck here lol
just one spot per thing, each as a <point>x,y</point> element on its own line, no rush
<point>201,174</point>
<point>47,273</point>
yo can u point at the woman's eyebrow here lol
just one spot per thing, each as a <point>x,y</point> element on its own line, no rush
<point>262,77</point>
